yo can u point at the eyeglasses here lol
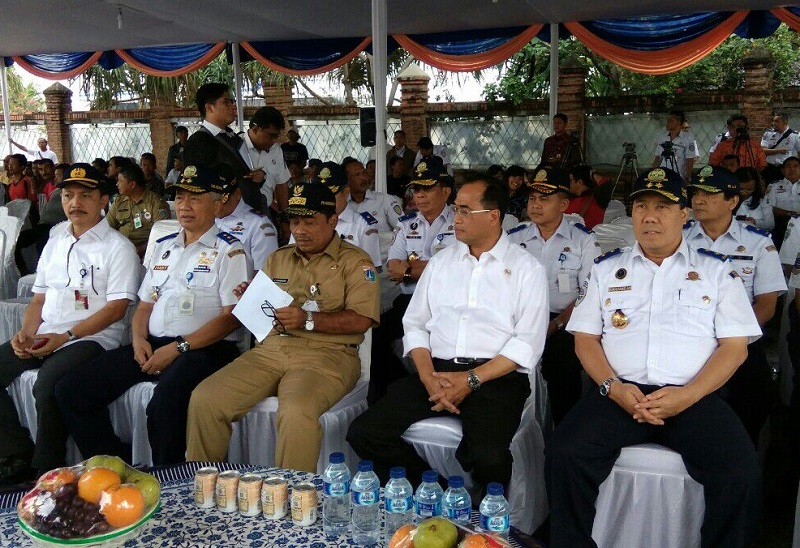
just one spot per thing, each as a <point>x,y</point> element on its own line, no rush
<point>464,211</point>
<point>225,101</point>
<point>269,312</point>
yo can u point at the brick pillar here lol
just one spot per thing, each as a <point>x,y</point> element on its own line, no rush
<point>279,95</point>
<point>571,92</point>
<point>162,134</point>
<point>413,103</point>
<point>58,102</point>
<point>757,94</point>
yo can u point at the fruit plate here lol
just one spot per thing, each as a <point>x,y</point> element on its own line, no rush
<point>77,496</point>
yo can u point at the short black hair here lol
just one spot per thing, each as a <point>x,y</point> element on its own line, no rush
<point>181,129</point>
<point>514,171</point>
<point>208,93</point>
<point>268,117</point>
<point>396,159</point>
<point>495,196</point>
<point>494,169</point>
<point>133,173</point>
<point>315,162</point>
<point>150,156</point>
<point>297,163</point>
<point>47,161</point>
<point>347,161</point>
<point>679,114</point>
<point>120,161</point>
<point>740,117</point>
<point>561,116</point>
<point>782,115</point>
<point>100,164</point>
<point>403,133</point>
<point>583,173</point>
<point>21,159</point>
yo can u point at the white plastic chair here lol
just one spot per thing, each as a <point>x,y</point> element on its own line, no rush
<point>611,235</point>
<point>436,440</point>
<point>10,226</point>
<point>615,210</point>
<point>649,499</point>
<point>21,209</point>
<point>159,230</point>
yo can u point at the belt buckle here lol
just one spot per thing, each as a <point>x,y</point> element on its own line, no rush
<point>463,361</point>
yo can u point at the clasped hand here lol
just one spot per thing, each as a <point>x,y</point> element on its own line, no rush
<point>447,390</point>
<point>655,407</point>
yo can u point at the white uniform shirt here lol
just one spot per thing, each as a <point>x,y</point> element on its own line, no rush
<point>684,148</point>
<point>794,279</point>
<point>480,308</point>
<point>102,263</point>
<point>361,230</point>
<point>567,256</point>
<point>791,143</point>
<point>386,208</point>
<point>751,252</point>
<point>762,214</point>
<point>790,248</point>
<point>785,195</point>
<point>416,235</point>
<point>205,271</point>
<point>718,139</point>
<point>675,312</point>
<point>43,155</point>
<point>271,161</point>
<point>255,231</point>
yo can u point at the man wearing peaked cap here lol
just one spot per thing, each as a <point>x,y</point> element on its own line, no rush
<point>636,308</point>
<point>87,276</point>
<point>567,251</point>
<point>182,331</point>
<point>714,194</point>
<point>310,359</point>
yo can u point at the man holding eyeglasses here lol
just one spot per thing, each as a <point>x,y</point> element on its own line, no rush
<point>475,328</point>
<point>183,329</point>
<point>419,237</point>
<point>310,358</point>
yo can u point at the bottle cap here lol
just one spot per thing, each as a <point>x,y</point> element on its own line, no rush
<point>430,476</point>
<point>397,472</point>
<point>455,482</point>
<point>336,458</point>
<point>495,488</point>
<point>365,466</point>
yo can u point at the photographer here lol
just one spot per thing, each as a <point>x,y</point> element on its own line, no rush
<point>675,148</point>
<point>557,147</point>
<point>742,145</point>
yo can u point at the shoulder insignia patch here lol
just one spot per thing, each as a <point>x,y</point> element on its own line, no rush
<point>608,254</point>
<point>757,230</point>
<point>714,254</point>
<point>771,248</point>
<point>227,238</point>
<point>257,212</point>
<point>583,228</point>
<point>371,231</point>
<point>167,237</point>
<point>367,216</point>
<point>521,226</point>
<point>235,252</point>
<point>689,224</point>
<point>407,217</point>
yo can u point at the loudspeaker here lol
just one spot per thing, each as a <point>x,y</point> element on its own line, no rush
<point>366,121</point>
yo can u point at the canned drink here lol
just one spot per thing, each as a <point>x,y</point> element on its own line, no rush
<point>227,487</point>
<point>304,503</point>
<point>275,497</point>
<point>205,484</point>
<point>250,495</point>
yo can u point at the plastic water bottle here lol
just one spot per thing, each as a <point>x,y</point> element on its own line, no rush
<point>399,501</point>
<point>495,511</point>
<point>366,520</point>
<point>428,498</point>
<point>456,504</point>
<point>336,496</point>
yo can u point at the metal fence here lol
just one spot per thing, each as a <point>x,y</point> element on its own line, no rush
<point>90,141</point>
<point>335,139</point>
<point>24,133</point>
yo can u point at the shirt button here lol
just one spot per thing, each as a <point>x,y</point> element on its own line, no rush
<point>651,363</point>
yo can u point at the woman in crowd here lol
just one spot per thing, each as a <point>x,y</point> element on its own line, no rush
<point>582,187</point>
<point>752,207</point>
<point>514,179</point>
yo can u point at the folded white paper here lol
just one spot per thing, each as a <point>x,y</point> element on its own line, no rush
<point>261,298</point>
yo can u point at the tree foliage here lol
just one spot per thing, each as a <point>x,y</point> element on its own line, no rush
<point>22,97</point>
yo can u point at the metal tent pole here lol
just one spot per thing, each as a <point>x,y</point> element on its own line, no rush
<point>6,109</point>
<point>237,80</point>
<point>379,69</point>
<point>553,70</point>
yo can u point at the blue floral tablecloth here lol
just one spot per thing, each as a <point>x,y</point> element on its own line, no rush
<point>180,523</point>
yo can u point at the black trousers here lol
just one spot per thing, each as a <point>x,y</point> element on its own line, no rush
<point>84,396</point>
<point>51,433</point>
<point>385,367</point>
<point>38,235</point>
<point>708,435</point>
<point>749,391</point>
<point>490,417</point>
<point>561,368</point>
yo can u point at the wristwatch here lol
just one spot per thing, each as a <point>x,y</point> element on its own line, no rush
<point>605,387</point>
<point>182,344</point>
<point>407,276</point>
<point>559,324</point>
<point>71,336</point>
<point>309,321</point>
<point>473,381</point>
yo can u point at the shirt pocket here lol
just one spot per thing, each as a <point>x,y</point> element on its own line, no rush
<point>330,297</point>
<point>623,302</point>
<point>694,311</point>
<point>747,270</point>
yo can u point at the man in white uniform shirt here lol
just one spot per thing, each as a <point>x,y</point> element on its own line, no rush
<point>262,152</point>
<point>779,142</point>
<point>784,197</point>
<point>386,208</point>
<point>680,147</point>
<point>659,327</point>
<point>475,328</point>
<point>87,276</point>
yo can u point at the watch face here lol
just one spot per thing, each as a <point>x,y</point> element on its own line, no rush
<point>604,389</point>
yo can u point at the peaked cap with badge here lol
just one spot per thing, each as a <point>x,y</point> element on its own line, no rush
<point>662,181</point>
<point>426,174</point>
<point>715,179</point>
<point>308,199</point>
<point>85,175</point>
<point>548,180</point>
<point>199,179</point>
<point>331,175</point>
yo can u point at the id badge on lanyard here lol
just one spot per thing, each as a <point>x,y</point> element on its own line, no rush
<point>186,299</point>
<point>563,276</point>
<point>82,293</point>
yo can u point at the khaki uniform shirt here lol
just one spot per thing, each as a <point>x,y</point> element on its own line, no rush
<point>343,278</point>
<point>134,219</point>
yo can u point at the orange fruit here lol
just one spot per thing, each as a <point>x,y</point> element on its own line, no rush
<point>93,482</point>
<point>121,505</point>
<point>475,540</point>
<point>402,538</point>
<point>54,479</point>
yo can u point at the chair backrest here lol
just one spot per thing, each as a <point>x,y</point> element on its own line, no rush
<point>171,204</point>
<point>614,210</point>
<point>42,202</point>
<point>11,226</point>
<point>574,218</point>
<point>2,244</point>
<point>365,355</point>
<point>607,231</point>
<point>159,230</point>
<point>19,208</point>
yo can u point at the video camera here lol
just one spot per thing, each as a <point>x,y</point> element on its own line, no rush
<point>630,148</point>
<point>576,138</point>
<point>742,133</point>
<point>667,150</point>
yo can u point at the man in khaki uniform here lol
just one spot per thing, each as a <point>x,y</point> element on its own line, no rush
<point>136,209</point>
<point>310,358</point>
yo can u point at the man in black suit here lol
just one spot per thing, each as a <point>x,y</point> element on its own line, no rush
<point>216,142</point>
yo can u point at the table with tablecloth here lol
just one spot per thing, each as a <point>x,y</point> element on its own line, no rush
<point>180,522</point>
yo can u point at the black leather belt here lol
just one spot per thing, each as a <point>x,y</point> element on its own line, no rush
<point>469,361</point>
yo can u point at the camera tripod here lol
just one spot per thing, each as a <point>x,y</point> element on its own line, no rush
<point>573,147</point>
<point>628,170</point>
<point>741,144</point>
<point>668,158</point>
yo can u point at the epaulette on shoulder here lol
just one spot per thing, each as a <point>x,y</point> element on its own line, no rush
<point>757,230</point>
<point>608,254</point>
<point>367,216</point>
<point>714,254</point>
<point>583,228</point>
<point>167,237</point>
<point>257,212</point>
<point>227,238</point>
<point>411,215</point>
<point>689,224</point>
<point>521,226</point>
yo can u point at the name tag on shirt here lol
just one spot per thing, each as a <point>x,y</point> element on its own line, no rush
<point>137,221</point>
<point>186,304</point>
<point>563,282</point>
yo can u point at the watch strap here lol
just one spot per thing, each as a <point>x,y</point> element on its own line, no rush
<point>472,380</point>
<point>71,336</point>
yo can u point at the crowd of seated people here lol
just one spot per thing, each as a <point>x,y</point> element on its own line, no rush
<point>496,276</point>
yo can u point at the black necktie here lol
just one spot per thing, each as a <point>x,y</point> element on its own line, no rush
<point>231,138</point>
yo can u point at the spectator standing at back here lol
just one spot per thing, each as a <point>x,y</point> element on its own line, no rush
<point>41,153</point>
<point>743,145</point>
<point>153,181</point>
<point>397,180</point>
<point>431,154</point>
<point>294,150</point>
<point>557,146</point>
<point>674,143</point>
<point>779,142</point>
<point>176,151</point>
<point>400,150</point>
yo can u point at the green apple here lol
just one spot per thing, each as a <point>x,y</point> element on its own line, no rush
<point>436,533</point>
<point>147,484</point>
<point>108,461</point>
